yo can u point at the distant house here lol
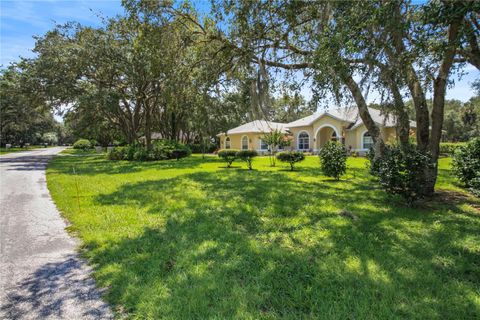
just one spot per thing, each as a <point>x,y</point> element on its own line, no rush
<point>311,133</point>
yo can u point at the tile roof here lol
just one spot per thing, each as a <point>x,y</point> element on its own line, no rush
<point>348,115</point>
<point>258,126</point>
<point>343,114</point>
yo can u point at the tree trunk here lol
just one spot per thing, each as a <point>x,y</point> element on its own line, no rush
<point>403,122</point>
<point>413,82</point>
<point>421,109</point>
<point>373,129</point>
<point>148,126</point>
<point>439,91</point>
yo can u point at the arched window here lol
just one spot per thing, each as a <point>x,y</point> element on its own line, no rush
<point>303,141</point>
<point>227,143</point>
<point>244,143</point>
<point>367,141</point>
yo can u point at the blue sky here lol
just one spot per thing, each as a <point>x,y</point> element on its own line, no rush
<point>21,20</point>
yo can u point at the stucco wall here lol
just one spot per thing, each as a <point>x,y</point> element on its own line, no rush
<point>318,136</point>
<point>319,132</point>
<point>354,137</point>
<point>295,132</point>
<point>236,141</point>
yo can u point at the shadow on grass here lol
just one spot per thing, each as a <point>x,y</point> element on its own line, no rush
<point>248,244</point>
<point>98,164</point>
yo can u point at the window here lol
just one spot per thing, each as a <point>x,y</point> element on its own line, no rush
<point>263,145</point>
<point>244,143</point>
<point>303,141</point>
<point>227,143</point>
<point>367,141</point>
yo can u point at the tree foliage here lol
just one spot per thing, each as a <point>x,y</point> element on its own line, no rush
<point>347,47</point>
<point>25,117</point>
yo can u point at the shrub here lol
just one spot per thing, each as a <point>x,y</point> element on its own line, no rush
<point>82,144</point>
<point>247,156</point>
<point>181,151</point>
<point>291,157</point>
<point>117,153</point>
<point>450,147</point>
<point>229,155</point>
<point>466,165</point>
<point>168,149</point>
<point>201,148</point>
<point>402,172</point>
<point>333,158</point>
<point>141,154</point>
<point>161,150</point>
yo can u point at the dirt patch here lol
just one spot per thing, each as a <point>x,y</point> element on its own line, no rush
<point>348,214</point>
<point>453,198</point>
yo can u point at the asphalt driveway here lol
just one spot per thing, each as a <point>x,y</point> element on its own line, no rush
<point>41,274</point>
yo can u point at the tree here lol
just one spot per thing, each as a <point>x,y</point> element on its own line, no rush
<point>338,42</point>
<point>25,116</point>
<point>275,139</point>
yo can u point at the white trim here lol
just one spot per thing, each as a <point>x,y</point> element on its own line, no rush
<point>325,113</point>
<point>298,140</point>
<point>361,141</point>
<point>329,126</point>
<point>260,145</point>
<point>229,143</point>
<point>241,142</point>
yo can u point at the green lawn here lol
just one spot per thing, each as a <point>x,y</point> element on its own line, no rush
<point>191,239</point>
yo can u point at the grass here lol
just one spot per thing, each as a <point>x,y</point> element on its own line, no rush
<point>72,151</point>
<point>191,239</point>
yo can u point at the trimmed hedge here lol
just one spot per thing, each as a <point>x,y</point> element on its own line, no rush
<point>228,155</point>
<point>161,150</point>
<point>291,157</point>
<point>466,165</point>
<point>247,156</point>
<point>199,148</point>
<point>402,171</point>
<point>333,159</point>
<point>82,144</point>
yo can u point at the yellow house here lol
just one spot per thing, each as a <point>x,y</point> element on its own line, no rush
<point>311,133</point>
<point>249,136</point>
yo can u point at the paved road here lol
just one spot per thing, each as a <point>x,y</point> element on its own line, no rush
<point>41,275</point>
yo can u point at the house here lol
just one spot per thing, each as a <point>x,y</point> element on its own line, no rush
<point>249,135</point>
<point>312,132</point>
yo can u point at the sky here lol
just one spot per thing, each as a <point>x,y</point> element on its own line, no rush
<point>21,20</point>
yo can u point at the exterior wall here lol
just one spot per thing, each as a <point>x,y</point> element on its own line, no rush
<point>295,132</point>
<point>323,129</point>
<point>318,133</point>
<point>354,137</point>
<point>236,141</point>
<point>389,134</point>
